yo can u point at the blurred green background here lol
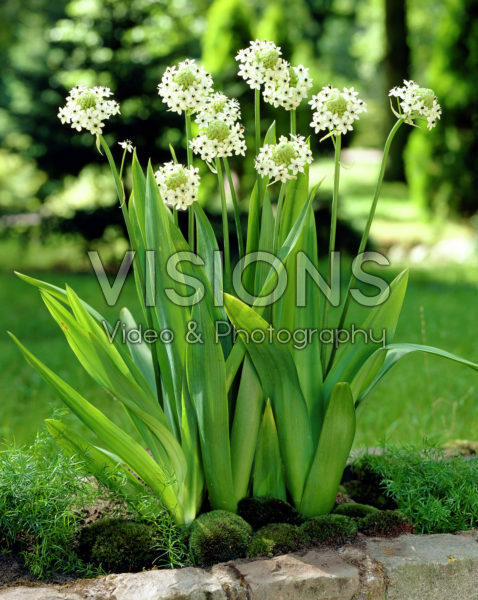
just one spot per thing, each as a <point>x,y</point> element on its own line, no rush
<point>57,199</point>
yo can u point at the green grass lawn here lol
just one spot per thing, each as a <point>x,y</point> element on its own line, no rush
<point>420,397</point>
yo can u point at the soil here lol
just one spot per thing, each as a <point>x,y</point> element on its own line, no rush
<point>13,572</point>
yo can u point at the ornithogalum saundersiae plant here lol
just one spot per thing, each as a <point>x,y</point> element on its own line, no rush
<point>243,395</point>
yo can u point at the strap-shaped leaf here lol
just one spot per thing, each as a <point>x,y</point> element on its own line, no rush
<point>388,357</point>
<point>268,478</point>
<point>280,383</point>
<point>248,411</point>
<point>100,463</point>
<point>383,316</point>
<point>334,446</point>
<point>113,437</point>
<point>206,376</point>
<point>236,356</point>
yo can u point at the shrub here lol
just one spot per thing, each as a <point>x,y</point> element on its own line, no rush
<point>355,510</point>
<point>118,545</point>
<point>259,512</point>
<point>275,539</point>
<point>437,493</point>
<point>218,536</point>
<point>329,529</point>
<point>42,494</point>
<point>387,523</point>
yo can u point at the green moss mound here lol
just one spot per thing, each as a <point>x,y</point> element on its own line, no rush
<point>259,512</point>
<point>385,523</point>
<point>329,529</point>
<point>118,545</point>
<point>218,536</point>
<point>275,539</point>
<point>355,510</point>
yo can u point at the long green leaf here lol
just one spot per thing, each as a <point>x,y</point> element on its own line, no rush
<point>384,316</point>
<point>268,477</point>
<point>280,383</point>
<point>389,356</point>
<point>334,446</point>
<point>245,427</point>
<point>206,376</point>
<point>119,442</point>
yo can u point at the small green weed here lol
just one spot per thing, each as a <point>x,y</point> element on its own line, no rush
<point>41,496</point>
<point>437,493</point>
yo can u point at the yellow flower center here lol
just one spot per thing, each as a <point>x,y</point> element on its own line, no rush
<point>336,103</point>
<point>268,58</point>
<point>185,78</point>
<point>284,154</point>
<point>293,79</point>
<point>218,105</point>
<point>217,130</point>
<point>87,100</point>
<point>176,180</point>
<point>427,96</point>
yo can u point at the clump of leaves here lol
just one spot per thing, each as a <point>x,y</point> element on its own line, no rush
<point>275,539</point>
<point>42,494</point>
<point>436,492</point>
<point>329,529</point>
<point>218,536</point>
<point>259,512</point>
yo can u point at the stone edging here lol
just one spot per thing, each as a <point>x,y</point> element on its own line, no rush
<point>410,567</point>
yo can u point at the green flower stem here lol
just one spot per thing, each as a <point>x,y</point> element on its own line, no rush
<point>333,233</point>
<point>122,200</point>
<point>225,227</point>
<point>280,203</point>
<point>189,152</point>
<point>257,127</point>
<point>175,216</point>
<point>240,241</point>
<point>366,232</point>
<point>257,118</point>
<point>293,122</point>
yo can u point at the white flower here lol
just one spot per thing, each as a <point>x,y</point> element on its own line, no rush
<point>219,107</point>
<point>184,87</point>
<point>414,101</point>
<point>336,111</point>
<point>284,160</point>
<point>219,139</point>
<point>127,145</point>
<point>87,108</point>
<point>178,184</point>
<point>288,93</point>
<point>260,63</point>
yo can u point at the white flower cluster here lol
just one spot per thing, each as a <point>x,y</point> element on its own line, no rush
<point>415,101</point>
<point>219,107</point>
<point>260,64</point>
<point>178,184</point>
<point>288,92</point>
<point>127,145</point>
<point>284,160</point>
<point>88,108</point>
<point>218,139</point>
<point>336,111</point>
<point>184,87</point>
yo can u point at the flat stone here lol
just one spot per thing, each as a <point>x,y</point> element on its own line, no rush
<point>37,593</point>
<point>428,567</point>
<point>167,584</point>
<point>316,575</point>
